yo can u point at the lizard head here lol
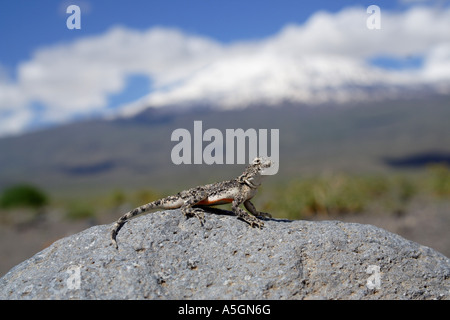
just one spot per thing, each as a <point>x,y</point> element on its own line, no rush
<point>261,163</point>
<point>252,175</point>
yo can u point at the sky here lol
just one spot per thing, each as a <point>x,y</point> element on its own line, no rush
<point>130,54</point>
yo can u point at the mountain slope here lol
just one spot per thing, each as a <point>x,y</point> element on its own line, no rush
<point>136,151</point>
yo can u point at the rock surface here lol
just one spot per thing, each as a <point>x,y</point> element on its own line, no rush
<point>163,255</point>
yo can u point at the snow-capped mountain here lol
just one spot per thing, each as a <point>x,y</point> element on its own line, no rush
<point>271,79</point>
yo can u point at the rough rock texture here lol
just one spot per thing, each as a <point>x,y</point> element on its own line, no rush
<point>163,255</point>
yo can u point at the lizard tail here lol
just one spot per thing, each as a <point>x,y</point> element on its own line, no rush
<point>127,216</point>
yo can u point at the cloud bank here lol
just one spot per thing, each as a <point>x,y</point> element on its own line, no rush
<point>325,59</point>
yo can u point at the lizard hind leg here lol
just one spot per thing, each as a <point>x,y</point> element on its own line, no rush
<point>188,209</point>
<point>251,208</point>
<point>195,212</point>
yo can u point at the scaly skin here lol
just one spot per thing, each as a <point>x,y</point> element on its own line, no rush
<point>236,191</point>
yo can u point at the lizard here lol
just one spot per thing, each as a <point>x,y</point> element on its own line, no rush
<point>235,191</point>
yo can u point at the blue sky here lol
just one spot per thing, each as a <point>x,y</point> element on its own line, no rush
<point>26,25</point>
<point>131,54</point>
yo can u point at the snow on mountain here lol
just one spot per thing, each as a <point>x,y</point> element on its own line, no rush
<point>328,59</point>
<point>238,81</point>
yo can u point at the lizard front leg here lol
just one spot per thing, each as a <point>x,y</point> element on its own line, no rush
<point>251,208</point>
<point>244,215</point>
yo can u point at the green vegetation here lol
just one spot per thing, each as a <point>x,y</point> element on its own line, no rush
<point>114,201</point>
<point>23,196</point>
<point>334,194</point>
<point>79,210</point>
<point>439,180</point>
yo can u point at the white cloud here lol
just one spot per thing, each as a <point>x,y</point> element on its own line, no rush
<point>14,114</point>
<point>345,33</point>
<point>325,58</point>
<point>79,77</point>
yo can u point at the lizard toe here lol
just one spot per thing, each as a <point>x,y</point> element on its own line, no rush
<point>256,223</point>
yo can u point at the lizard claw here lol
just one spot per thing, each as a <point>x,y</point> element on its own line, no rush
<point>260,224</point>
<point>255,222</point>
<point>201,217</point>
<point>200,214</point>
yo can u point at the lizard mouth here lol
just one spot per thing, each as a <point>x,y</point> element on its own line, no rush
<point>266,164</point>
<point>261,164</point>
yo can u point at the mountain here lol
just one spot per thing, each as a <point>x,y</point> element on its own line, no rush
<point>135,151</point>
<point>271,79</point>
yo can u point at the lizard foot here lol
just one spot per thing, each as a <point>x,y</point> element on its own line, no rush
<point>195,212</point>
<point>253,221</point>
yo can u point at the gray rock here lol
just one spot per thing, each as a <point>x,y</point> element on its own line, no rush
<point>163,255</point>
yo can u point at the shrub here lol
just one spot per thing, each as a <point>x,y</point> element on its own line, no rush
<point>332,194</point>
<point>79,211</point>
<point>117,198</point>
<point>23,195</point>
<point>144,196</point>
<point>439,180</point>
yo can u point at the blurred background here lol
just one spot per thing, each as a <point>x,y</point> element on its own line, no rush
<point>360,94</point>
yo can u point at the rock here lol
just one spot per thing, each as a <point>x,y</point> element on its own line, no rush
<point>163,255</point>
